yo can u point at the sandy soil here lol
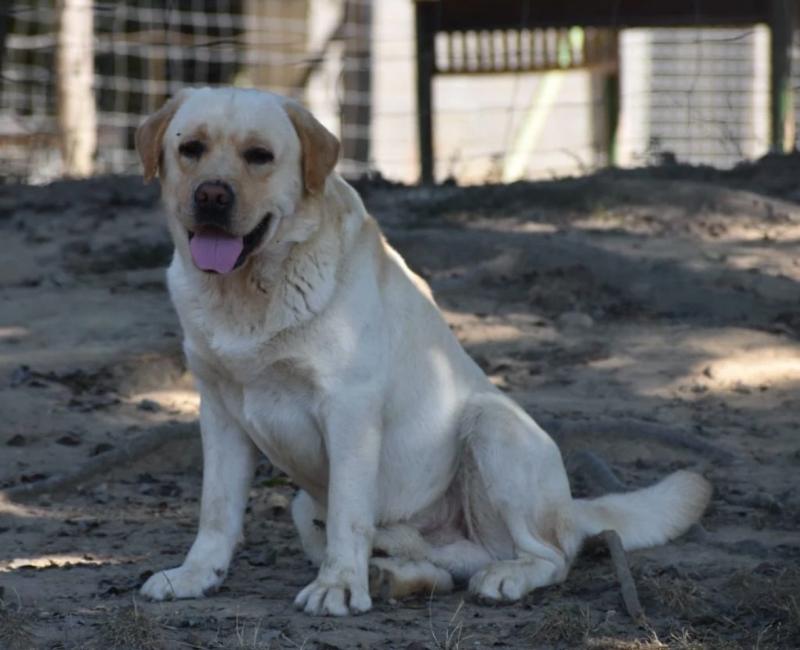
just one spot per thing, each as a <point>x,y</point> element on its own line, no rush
<point>649,317</point>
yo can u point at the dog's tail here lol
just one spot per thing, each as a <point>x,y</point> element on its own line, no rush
<point>642,518</point>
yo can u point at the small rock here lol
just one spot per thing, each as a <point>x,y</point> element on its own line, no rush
<point>32,478</point>
<point>20,375</point>
<point>149,405</point>
<point>17,440</point>
<point>68,440</point>
<point>101,448</point>
<point>575,320</point>
<point>416,645</point>
<point>277,504</point>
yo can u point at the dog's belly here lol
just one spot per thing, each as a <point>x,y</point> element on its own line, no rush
<point>419,452</point>
<point>411,484</point>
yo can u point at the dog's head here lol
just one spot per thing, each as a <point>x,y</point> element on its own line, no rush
<point>233,164</point>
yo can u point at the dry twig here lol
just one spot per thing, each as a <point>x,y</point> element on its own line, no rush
<point>620,561</point>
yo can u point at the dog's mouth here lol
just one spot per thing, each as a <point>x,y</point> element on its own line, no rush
<point>215,250</point>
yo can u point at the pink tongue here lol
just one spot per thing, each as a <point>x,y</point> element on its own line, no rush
<point>214,250</point>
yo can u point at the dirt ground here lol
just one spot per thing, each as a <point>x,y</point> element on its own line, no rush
<point>649,317</point>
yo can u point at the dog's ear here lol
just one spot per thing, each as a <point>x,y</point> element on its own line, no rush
<point>150,135</point>
<point>320,146</point>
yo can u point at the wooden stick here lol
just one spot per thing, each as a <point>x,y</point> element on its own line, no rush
<point>129,452</point>
<point>620,561</point>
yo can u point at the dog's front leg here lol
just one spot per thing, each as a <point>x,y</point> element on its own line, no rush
<point>228,463</point>
<point>342,585</point>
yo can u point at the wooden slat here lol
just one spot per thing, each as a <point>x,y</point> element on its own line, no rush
<point>459,15</point>
<point>600,66</point>
<point>486,53</point>
<point>449,51</point>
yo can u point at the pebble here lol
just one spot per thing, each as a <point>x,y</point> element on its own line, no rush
<point>277,503</point>
<point>17,440</point>
<point>149,405</point>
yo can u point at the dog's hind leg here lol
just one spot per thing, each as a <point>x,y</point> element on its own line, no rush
<point>391,577</point>
<point>405,563</point>
<point>514,488</point>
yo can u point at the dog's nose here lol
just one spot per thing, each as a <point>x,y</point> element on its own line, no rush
<point>213,200</point>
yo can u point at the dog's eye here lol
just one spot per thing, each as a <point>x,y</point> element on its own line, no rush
<point>258,156</point>
<point>192,149</point>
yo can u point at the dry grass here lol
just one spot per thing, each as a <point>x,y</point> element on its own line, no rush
<point>683,597</point>
<point>689,639</point>
<point>565,623</point>
<point>685,639</point>
<point>774,598</point>
<point>15,628</point>
<point>452,636</point>
<point>609,643</point>
<point>253,638</point>
<point>127,628</point>
<point>246,639</point>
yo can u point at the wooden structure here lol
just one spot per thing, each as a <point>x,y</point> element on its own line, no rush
<point>501,36</point>
<point>276,36</point>
<point>356,111</point>
<point>77,114</point>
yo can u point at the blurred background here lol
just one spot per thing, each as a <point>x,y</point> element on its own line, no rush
<point>469,90</point>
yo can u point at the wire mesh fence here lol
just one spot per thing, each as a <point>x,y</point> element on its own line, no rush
<point>699,95</point>
<point>143,52</point>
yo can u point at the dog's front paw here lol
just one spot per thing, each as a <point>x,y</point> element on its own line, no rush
<point>335,593</point>
<point>185,581</point>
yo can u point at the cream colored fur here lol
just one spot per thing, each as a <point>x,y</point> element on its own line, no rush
<point>327,354</point>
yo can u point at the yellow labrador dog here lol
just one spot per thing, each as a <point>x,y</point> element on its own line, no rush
<point>312,342</point>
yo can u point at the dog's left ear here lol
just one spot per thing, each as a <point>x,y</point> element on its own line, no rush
<point>150,135</point>
<point>320,146</point>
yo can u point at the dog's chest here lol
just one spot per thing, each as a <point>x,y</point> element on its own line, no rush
<point>268,387</point>
<point>277,408</point>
